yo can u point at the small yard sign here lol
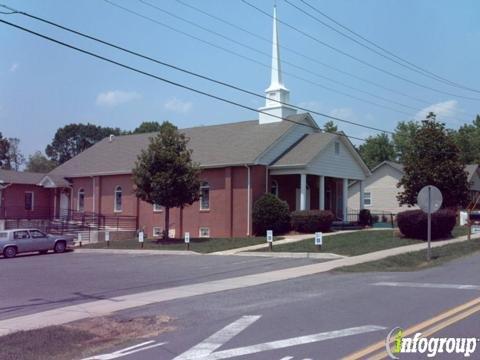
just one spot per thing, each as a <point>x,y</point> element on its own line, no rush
<point>475,229</point>
<point>318,238</point>
<point>107,236</point>
<point>269,236</point>
<point>187,238</point>
<point>140,237</point>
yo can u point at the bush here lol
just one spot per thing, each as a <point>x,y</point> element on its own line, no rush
<point>270,213</point>
<point>309,221</point>
<point>413,224</point>
<point>365,217</point>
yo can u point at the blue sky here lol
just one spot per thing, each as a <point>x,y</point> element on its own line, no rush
<point>44,86</point>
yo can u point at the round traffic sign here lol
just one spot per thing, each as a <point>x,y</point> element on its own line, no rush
<point>429,199</point>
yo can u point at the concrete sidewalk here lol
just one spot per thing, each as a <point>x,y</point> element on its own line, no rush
<point>105,307</point>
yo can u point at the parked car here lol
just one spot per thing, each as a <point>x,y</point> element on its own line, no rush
<point>17,241</point>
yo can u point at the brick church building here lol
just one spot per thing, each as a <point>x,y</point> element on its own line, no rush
<point>286,154</point>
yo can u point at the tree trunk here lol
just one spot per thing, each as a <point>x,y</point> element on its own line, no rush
<point>167,223</point>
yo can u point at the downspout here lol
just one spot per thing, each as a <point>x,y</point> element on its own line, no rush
<point>248,199</point>
<point>93,194</point>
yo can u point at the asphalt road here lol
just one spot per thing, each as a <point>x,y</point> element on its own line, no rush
<point>315,305</point>
<point>34,283</point>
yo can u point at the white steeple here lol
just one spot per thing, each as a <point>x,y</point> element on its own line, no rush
<point>276,92</point>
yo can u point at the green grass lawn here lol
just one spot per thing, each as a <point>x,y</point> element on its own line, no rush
<point>201,245</point>
<point>417,260</point>
<point>350,244</point>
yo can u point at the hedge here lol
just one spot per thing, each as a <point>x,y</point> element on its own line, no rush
<point>413,224</point>
<point>270,213</point>
<point>309,221</point>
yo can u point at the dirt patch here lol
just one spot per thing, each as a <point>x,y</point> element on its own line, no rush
<point>81,338</point>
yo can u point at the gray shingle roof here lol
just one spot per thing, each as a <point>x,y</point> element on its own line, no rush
<point>20,177</point>
<point>216,145</point>
<point>305,150</point>
<point>470,169</point>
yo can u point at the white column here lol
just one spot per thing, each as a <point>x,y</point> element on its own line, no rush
<point>303,191</point>
<point>345,199</point>
<point>362,194</point>
<point>321,192</point>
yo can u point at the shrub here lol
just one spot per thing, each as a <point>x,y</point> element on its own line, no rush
<point>309,221</point>
<point>413,224</point>
<point>270,213</point>
<point>365,217</point>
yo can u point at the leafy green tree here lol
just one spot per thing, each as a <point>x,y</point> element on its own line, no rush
<point>165,174</point>
<point>434,159</point>
<point>376,149</point>
<point>403,138</point>
<point>39,163</point>
<point>467,138</point>
<point>147,127</point>
<point>330,126</point>
<point>4,149</point>
<point>72,139</point>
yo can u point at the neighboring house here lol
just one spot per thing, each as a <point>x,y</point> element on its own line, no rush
<point>380,189</point>
<point>282,152</point>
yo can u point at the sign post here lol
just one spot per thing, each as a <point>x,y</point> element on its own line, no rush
<point>187,240</point>
<point>107,238</point>
<point>319,240</point>
<point>141,238</point>
<point>270,239</point>
<point>430,200</point>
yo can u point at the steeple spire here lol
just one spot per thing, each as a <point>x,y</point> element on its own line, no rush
<point>276,93</point>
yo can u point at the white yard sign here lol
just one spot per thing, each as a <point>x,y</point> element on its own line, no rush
<point>187,238</point>
<point>140,237</point>
<point>269,236</point>
<point>319,238</point>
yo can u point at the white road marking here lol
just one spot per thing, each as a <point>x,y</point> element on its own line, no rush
<point>301,340</point>
<point>429,285</point>
<point>209,345</point>
<point>206,349</point>
<point>127,351</point>
<point>287,358</point>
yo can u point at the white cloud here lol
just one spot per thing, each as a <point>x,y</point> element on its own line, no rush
<point>14,67</point>
<point>311,105</point>
<point>116,97</point>
<point>442,109</point>
<point>177,105</point>
<point>343,113</point>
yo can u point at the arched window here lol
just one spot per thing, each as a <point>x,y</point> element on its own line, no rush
<point>81,200</point>
<point>274,188</point>
<point>204,196</point>
<point>118,199</point>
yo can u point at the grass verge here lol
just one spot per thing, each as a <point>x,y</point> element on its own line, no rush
<point>80,338</point>
<point>417,260</point>
<point>350,244</point>
<point>201,245</point>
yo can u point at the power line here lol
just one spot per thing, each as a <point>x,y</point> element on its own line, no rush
<point>186,87</point>
<point>425,72</point>
<point>192,73</point>
<point>366,63</point>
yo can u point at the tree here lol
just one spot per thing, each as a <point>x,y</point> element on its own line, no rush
<point>165,174</point>
<point>4,149</point>
<point>377,149</point>
<point>15,157</point>
<point>72,139</point>
<point>39,163</point>
<point>147,127</point>
<point>403,137</point>
<point>434,159</point>
<point>467,138</point>
<point>330,126</point>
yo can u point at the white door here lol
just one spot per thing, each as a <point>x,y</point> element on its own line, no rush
<point>64,200</point>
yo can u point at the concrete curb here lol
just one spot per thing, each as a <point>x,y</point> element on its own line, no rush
<point>293,255</point>
<point>135,251</point>
<point>71,313</point>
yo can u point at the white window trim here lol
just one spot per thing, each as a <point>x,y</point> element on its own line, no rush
<point>115,210</point>
<point>204,187</point>
<point>78,200</point>
<point>370,198</point>
<point>157,209</point>
<point>33,200</point>
<point>160,231</point>
<point>200,232</point>
<point>276,188</point>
